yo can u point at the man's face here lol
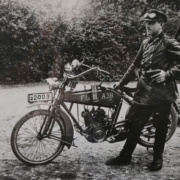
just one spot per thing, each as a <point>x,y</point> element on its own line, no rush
<point>153,28</point>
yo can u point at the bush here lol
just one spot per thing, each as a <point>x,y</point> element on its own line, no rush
<point>18,35</point>
<point>108,36</point>
<point>25,53</point>
<point>106,40</point>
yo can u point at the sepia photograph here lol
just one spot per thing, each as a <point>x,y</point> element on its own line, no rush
<point>90,89</point>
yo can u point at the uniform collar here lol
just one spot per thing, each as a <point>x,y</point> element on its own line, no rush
<point>156,38</point>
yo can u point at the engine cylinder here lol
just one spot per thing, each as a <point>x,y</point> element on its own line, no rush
<point>88,118</point>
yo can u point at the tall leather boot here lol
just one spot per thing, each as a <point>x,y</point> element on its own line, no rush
<point>126,154</point>
<point>123,159</point>
<point>160,139</point>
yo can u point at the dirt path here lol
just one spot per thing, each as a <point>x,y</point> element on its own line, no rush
<point>86,161</point>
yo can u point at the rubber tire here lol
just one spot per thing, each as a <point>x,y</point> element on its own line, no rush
<point>16,129</point>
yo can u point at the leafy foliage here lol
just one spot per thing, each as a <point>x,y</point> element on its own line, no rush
<point>108,35</point>
<point>104,39</point>
<point>18,35</point>
<point>25,52</point>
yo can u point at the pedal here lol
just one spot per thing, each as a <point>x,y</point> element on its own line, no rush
<point>117,138</point>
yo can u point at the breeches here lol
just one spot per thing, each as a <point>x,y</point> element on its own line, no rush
<point>138,116</point>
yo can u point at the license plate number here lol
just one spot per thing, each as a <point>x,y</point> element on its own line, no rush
<point>37,97</point>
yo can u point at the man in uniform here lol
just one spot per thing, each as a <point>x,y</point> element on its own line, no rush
<point>158,64</point>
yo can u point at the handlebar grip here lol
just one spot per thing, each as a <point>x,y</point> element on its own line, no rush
<point>85,65</point>
<point>104,71</point>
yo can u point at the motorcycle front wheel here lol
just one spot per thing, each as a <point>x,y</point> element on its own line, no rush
<point>27,144</point>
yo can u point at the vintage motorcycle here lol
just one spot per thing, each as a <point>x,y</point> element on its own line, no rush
<point>41,135</point>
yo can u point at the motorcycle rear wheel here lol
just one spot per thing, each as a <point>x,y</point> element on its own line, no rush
<point>26,145</point>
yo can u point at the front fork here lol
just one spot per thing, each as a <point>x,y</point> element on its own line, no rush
<point>48,123</point>
<point>49,120</point>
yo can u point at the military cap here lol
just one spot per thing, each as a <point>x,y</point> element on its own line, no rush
<point>154,15</point>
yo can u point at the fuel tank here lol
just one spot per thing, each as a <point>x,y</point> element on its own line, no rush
<point>106,98</point>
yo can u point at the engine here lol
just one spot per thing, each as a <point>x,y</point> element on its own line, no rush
<point>95,120</point>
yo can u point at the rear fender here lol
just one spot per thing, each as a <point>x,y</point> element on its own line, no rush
<point>175,104</point>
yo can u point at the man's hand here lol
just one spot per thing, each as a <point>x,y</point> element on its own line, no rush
<point>159,77</point>
<point>118,86</point>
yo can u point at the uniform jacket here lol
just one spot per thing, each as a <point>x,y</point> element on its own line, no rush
<point>160,53</point>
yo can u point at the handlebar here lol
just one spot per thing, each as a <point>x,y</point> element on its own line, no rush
<point>101,70</point>
<point>87,71</point>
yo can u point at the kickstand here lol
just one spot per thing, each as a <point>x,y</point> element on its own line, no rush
<point>73,143</point>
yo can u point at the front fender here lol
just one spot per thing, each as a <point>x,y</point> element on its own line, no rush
<point>69,131</point>
<point>40,104</point>
<point>64,118</point>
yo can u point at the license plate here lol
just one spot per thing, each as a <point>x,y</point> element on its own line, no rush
<point>39,97</point>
